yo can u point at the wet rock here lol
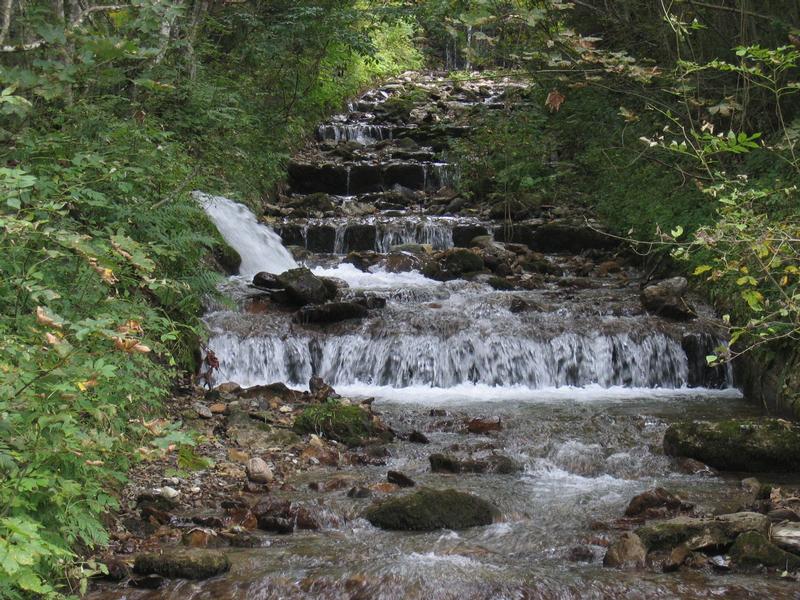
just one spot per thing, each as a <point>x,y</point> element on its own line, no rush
<point>780,515</point>
<point>518,305</point>
<point>201,537</point>
<point>667,299</point>
<point>787,536</point>
<point>148,582</point>
<point>737,445</point>
<point>359,492</point>
<point>320,239</point>
<point>347,424</point>
<point>753,549</point>
<point>334,483</point>
<point>258,471</point>
<point>501,283</point>
<point>464,234</point>
<point>370,302</point>
<point>267,281</point>
<point>460,261</point>
<point>496,463</point>
<point>321,390</point>
<point>400,479</point>
<point>332,312</point>
<point>691,466</point>
<point>484,425</point>
<point>358,238</point>
<point>580,554</point>
<point>418,437</point>
<point>701,533</point>
<point>186,564</point>
<point>303,287</point>
<point>627,552</point>
<point>653,503</point>
<point>228,258</point>
<point>429,509</point>
<point>363,260</point>
<point>676,558</point>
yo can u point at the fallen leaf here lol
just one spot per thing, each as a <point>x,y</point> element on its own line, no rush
<point>554,100</point>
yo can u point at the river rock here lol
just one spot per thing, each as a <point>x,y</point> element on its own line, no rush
<point>737,445</point>
<point>418,437</point>
<point>400,479</point>
<point>496,463</point>
<point>350,425</point>
<point>484,425</point>
<point>259,471</point>
<point>701,533</point>
<point>626,553</point>
<point>267,281</point>
<point>653,503</point>
<point>332,312</point>
<point>753,549</point>
<point>787,536</point>
<point>667,299</point>
<point>303,287</point>
<point>429,509</point>
<point>186,564</point>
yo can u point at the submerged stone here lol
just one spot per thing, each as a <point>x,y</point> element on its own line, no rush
<point>737,445</point>
<point>186,564</point>
<point>626,553</point>
<point>430,509</point>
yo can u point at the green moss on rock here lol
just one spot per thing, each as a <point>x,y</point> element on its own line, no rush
<point>753,549</point>
<point>429,509</point>
<point>186,564</point>
<point>344,423</point>
<point>700,533</point>
<point>737,445</point>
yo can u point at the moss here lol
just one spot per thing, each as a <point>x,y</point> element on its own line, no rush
<point>500,283</point>
<point>347,424</point>
<point>460,261</point>
<point>699,533</point>
<point>228,258</point>
<point>752,549</point>
<point>187,564</point>
<point>737,445</point>
<point>429,509</point>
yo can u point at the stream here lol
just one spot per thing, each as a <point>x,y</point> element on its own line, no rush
<point>583,380</point>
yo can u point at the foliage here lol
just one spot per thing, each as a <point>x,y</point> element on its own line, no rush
<point>109,116</point>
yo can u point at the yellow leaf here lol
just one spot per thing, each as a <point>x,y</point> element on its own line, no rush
<point>46,318</point>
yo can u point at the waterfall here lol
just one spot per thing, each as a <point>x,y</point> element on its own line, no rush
<point>438,235</point>
<point>261,248</point>
<point>398,360</point>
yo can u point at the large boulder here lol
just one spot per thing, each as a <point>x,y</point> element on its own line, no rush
<point>344,423</point>
<point>701,533</point>
<point>753,549</point>
<point>332,312</point>
<point>667,299</point>
<point>187,564</point>
<point>737,445</point>
<point>303,287</point>
<point>430,509</point>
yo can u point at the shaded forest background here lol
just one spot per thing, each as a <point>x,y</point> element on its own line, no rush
<point>677,122</point>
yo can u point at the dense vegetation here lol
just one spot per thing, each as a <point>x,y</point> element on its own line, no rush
<point>678,123</point>
<point>110,116</point>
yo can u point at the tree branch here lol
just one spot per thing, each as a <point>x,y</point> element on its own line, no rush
<point>733,9</point>
<point>6,21</point>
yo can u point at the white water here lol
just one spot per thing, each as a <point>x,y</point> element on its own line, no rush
<point>260,247</point>
<point>374,280</point>
<point>394,359</point>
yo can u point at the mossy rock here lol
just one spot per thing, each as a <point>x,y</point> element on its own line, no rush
<point>701,533</point>
<point>501,283</point>
<point>186,564</point>
<point>737,445</point>
<point>228,258</point>
<point>753,549</point>
<point>344,423</point>
<point>428,509</point>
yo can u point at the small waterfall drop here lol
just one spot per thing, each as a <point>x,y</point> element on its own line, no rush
<point>261,248</point>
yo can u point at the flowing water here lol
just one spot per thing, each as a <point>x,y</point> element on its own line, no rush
<point>584,382</point>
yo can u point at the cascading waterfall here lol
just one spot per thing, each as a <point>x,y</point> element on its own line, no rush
<point>438,234</point>
<point>358,133</point>
<point>259,247</point>
<point>398,360</point>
